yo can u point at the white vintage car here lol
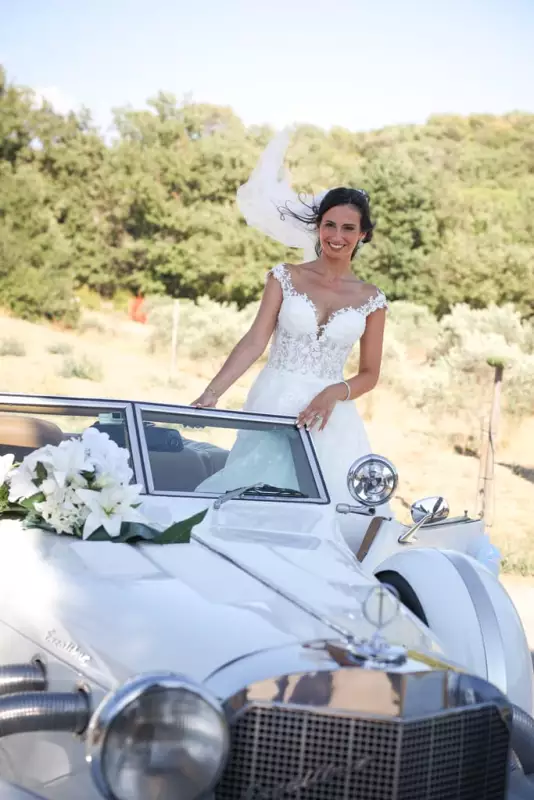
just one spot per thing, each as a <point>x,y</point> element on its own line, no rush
<point>264,659</point>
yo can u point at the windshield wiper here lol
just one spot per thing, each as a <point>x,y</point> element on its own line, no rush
<point>257,490</point>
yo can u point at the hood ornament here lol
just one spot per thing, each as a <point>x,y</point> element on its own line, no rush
<point>379,608</point>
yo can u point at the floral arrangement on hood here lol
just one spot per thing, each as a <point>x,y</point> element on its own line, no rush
<point>82,487</point>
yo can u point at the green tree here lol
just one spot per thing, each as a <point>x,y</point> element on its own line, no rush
<point>154,210</point>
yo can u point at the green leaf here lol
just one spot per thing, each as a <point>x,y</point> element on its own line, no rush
<point>11,512</point>
<point>100,535</point>
<point>4,497</point>
<point>30,502</point>
<point>34,521</point>
<point>131,532</point>
<point>180,532</point>
<point>134,532</point>
<point>41,472</point>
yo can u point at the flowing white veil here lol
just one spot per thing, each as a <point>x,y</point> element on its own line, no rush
<point>263,198</point>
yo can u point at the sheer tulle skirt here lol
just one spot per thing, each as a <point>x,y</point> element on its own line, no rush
<point>342,441</point>
<point>267,457</point>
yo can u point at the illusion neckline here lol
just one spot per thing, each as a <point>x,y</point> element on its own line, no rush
<point>320,326</point>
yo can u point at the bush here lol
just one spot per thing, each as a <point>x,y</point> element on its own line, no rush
<point>81,367</point>
<point>12,347</point>
<point>463,323</point>
<point>411,324</point>
<point>471,341</point>
<point>89,323</point>
<point>59,348</point>
<point>205,329</point>
<point>453,370</point>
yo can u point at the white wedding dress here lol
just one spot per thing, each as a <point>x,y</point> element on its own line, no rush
<point>304,358</point>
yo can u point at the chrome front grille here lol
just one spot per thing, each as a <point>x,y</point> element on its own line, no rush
<point>281,752</point>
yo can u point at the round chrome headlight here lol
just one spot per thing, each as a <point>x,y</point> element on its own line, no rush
<point>157,736</point>
<point>372,480</point>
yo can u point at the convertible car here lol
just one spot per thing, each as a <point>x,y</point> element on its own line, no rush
<point>291,648</point>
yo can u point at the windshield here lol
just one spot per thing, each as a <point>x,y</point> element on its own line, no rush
<point>188,452</point>
<point>176,451</point>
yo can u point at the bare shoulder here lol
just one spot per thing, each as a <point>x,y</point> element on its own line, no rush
<point>302,265</point>
<point>370,289</point>
<point>297,269</point>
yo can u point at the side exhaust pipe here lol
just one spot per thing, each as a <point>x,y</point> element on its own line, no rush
<point>23,678</point>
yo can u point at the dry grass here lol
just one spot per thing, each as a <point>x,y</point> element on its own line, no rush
<point>420,443</point>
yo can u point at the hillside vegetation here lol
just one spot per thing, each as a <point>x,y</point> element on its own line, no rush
<point>154,212</point>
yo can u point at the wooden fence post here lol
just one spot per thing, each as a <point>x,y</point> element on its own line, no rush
<point>486,487</point>
<point>174,336</point>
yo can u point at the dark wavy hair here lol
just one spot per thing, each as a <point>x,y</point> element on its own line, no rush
<point>341,196</point>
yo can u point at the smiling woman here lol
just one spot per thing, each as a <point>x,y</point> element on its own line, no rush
<point>317,312</point>
<point>342,219</point>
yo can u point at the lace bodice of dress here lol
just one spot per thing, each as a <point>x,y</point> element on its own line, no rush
<point>302,345</point>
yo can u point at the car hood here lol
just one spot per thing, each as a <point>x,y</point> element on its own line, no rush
<point>112,610</point>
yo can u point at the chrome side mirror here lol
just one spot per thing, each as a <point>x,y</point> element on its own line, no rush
<point>429,509</point>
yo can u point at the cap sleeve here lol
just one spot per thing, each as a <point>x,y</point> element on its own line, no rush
<point>281,273</point>
<point>378,300</point>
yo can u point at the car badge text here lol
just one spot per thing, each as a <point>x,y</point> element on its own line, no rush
<point>70,648</point>
<point>312,778</point>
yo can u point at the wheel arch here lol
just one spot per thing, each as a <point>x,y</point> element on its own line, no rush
<point>470,612</point>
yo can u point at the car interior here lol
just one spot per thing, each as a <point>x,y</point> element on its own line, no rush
<point>178,464</point>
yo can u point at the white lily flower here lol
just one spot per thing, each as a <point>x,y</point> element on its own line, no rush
<point>109,508</point>
<point>110,461</point>
<point>68,460</point>
<point>49,486</point>
<point>43,456</point>
<point>22,483</point>
<point>6,465</point>
<point>62,474</point>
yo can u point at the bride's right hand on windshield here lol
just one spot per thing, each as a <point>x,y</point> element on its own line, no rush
<point>208,399</point>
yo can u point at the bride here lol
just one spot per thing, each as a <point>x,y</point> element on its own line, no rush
<point>318,311</point>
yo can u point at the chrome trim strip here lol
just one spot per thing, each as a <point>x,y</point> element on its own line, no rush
<point>133,439</point>
<point>232,416</point>
<point>311,452</point>
<point>205,496</point>
<point>144,449</point>
<point>167,408</point>
<point>489,624</point>
<point>20,402</point>
<point>404,695</point>
<point>45,404</point>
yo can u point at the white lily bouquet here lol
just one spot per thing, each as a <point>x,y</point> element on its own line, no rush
<point>82,487</point>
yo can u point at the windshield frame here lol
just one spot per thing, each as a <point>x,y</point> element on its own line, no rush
<point>54,405</point>
<point>322,497</point>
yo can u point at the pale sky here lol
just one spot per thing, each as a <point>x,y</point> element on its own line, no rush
<point>356,64</point>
